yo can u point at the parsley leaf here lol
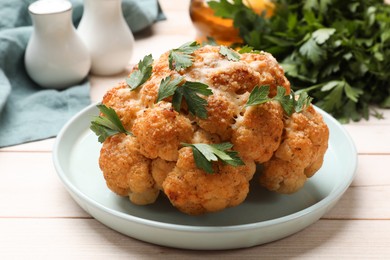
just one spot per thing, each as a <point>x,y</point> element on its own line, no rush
<point>142,74</point>
<point>312,51</point>
<point>205,154</point>
<point>229,53</point>
<point>320,36</point>
<point>352,93</point>
<point>286,101</point>
<point>168,87</point>
<point>107,125</point>
<point>248,49</point>
<point>196,104</point>
<point>303,102</point>
<point>189,90</point>
<point>180,58</point>
<point>259,95</point>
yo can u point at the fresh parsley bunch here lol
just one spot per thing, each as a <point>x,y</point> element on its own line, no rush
<point>338,51</point>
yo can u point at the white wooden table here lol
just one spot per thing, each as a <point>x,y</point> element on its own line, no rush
<point>39,219</point>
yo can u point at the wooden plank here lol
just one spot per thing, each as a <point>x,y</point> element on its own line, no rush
<point>370,139</point>
<point>370,202</point>
<point>30,187</point>
<point>372,170</point>
<point>88,239</point>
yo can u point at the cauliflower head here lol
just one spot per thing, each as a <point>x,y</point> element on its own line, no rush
<point>157,157</point>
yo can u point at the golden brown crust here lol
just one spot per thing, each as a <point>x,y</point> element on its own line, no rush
<point>271,73</point>
<point>300,154</point>
<point>238,78</point>
<point>126,103</point>
<point>160,130</point>
<point>258,132</point>
<point>126,171</point>
<point>221,112</point>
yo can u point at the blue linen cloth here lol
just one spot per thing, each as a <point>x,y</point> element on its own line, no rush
<point>27,111</point>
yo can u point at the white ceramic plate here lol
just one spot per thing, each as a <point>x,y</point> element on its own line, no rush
<point>262,218</point>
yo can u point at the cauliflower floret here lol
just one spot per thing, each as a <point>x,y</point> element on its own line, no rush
<point>202,136</point>
<point>194,191</point>
<point>160,130</point>
<point>212,68</point>
<point>235,77</point>
<point>282,176</point>
<point>148,93</point>
<point>160,68</point>
<point>126,103</point>
<point>258,132</point>
<point>149,90</point>
<point>300,155</point>
<point>270,72</point>
<point>126,171</point>
<point>160,170</point>
<point>221,112</point>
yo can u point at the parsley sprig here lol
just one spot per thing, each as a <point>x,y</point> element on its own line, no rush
<point>205,154</point>
<point>107,125</point>
<point>142,74</point>
<point>189,90</point>
<point>335,50</point>
<point>180,58</point>
<point>289,103</point>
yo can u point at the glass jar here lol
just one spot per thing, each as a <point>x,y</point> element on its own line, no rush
<point>221,29</point>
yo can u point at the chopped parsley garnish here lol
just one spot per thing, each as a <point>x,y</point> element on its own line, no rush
<point>181,58</point>
<point>205,154</point>
<point>248,49</point>
<point>304,100</point>
<point>259,95</point>
<point>189,90</point>
<point>229,53</point>
<point>168,87</point>
<point>107,125</point>
<point>142,74</point>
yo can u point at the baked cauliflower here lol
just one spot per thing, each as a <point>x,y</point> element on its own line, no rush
<point>193,124</point>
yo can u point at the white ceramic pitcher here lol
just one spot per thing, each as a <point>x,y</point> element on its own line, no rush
<point>55,57</point>
<point>107,36</point>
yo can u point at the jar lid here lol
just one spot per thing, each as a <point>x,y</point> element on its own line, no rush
<point>49,6</point>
